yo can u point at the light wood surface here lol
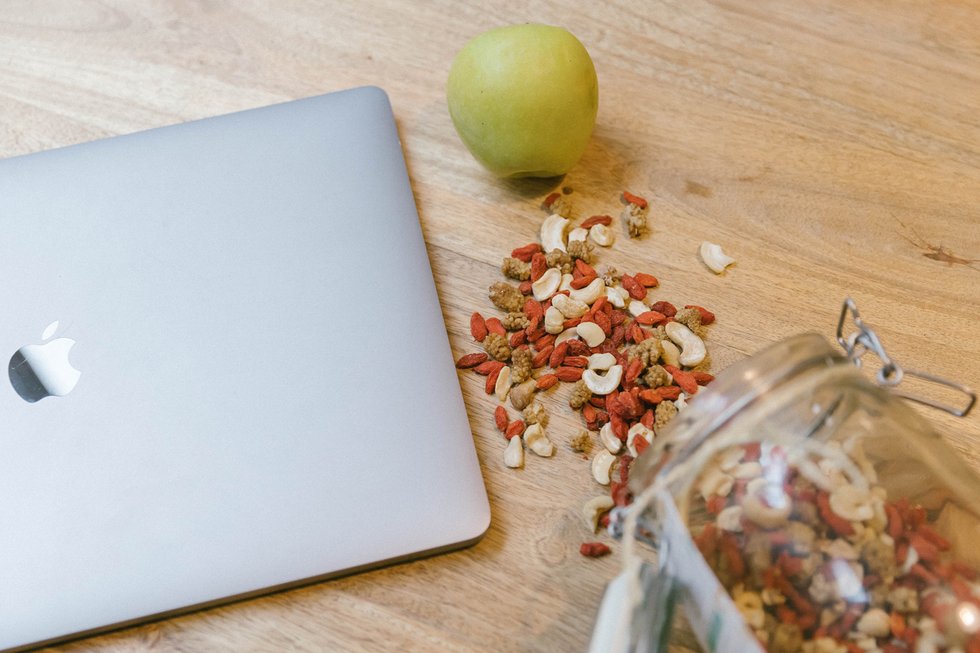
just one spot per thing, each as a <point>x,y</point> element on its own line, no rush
<point>833,148</point>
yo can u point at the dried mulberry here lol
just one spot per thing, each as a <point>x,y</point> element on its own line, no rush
<point>535,414</point>
<point>635,219</point>
<point>580,249</point>
<point>561,260</point>
<point>580,395</point>
<point>691,318</point>
<point>496,347</point>
<point>506,297</point>
<point>664,413</point>
<point>515,321</point>
<point>647,351</point>
<point>521,365</point>
<point>515,268</point>
<point>655,375</point>
<point>582,442</point>
<point>561,206</point>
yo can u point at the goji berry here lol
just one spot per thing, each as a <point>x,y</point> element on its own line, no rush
<point>568,374</point>
<point>500,418</point>
<point>515,428</point>
<point>670,392</point>
<point>647,280</point>
<point>546,340</point>
<point>526,252</point>
<point>471,360</point>
<point>539,264</point>
<point>666,308</point>
<point>630,198</point>
<point>702,378</point>
<point>582,282</point>
<point>492,380</point>
<point>546,381</point>
<point>650,318</point>
<point>525,287</point>
<point>495,326</point>
<point>558,355</point>
<point>542,356</point>
<point>550,199</point>
<point>584,268</point>
<point>596,219</point>
<point>685,380</point>
<point>576,361</point>
<point>478,327</point>
<point>517,338</point>
<point>594,549</point>
<point>577,347</point>
<point>533,309</point>
<point>633,287</point>
<point>489,367</point>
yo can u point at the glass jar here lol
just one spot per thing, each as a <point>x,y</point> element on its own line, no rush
<point>795,505</point>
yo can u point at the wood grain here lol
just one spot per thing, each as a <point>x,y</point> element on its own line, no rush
<point>833,148</point>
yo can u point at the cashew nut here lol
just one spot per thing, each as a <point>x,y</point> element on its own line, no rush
<point>875,623</point>
<point>772,596</point>
<point>602,235</point>
<point>730,519</point>
<point>609,440</point>
<point>567,334</point>
<point>852,503</point>
<point>715,482</point>
<point>603,384</point>
<point>502,386</point>
<point>578,233</point>
<point>591,292</point>
<point>594,508</point>
<point>601,466</point>
<point>601,361</point>
<point>569,307</point>
<point>616,296</point>
<point>514,453</point>
<point>637,308</point>
<point>692,347</point>
<point>553,232</point>
<point>747,471</point>
<point>566,283</point>
<point>749,604</point>
<point>714,258</point>
<point>537,441</point>
<point>637,430</point>
<point>670,353</point>
<point>839,549</point>
<point>547,285</point>
<point>767,516</point>
<point>591,333</point>
<point>554,321</point>
<point>681,402</point>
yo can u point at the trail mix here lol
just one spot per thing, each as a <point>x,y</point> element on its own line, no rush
<point>566,319</point>
<point>818,564</point>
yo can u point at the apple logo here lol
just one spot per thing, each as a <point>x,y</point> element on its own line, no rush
<point>39,371</point>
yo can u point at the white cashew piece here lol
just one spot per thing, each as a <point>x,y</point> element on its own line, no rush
<point>547,285</point>
<point>637,308</point>
<point>616,296</point>
<point>569,307</point>
<point>670,353</point>
<point>591,292</point>
<point>601,361</point>
<point>637,430</point>
<point>766,516</point>
<point>681,402</point>
<point>692,347</point>
<point>591,333</point>
<point>749,604</point>
<point>566,283</point>
<point>852,503</point>
<point>714,258</point>
<point>875,623</point>
<point>553,233</point>
<point>502,386</point>
<point>730,519</point>
<point>715,482</point>
<point>554,321</point>
<point>601,466</point>
<point>514,453</point>
<point>594,508</point>
<point>609,440</point>
<point>578,233</point>
<point>604,384</point>
<point>538,442</point>
<point>567,334</point>
<point>602,235</point>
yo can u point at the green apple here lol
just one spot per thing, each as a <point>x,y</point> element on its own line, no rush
<point>523,99</point>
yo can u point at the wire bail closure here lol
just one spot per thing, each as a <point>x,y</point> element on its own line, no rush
<point>865,340</point>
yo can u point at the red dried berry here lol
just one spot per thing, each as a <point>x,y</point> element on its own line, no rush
<point>546,381</point>
<point>471,360</point>
<point>647,280</point>
<point>594,549</point>
<point>500,418</point>
<point>596,219</point>
<point>495,326</point>
<point>478,327</point>
<point>630,198</point>
<point>515,428</point>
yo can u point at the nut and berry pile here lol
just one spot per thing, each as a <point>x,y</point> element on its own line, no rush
<point>567,319</point>
<point>819,564</point>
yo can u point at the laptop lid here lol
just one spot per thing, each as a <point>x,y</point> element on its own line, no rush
<point>265,393</point>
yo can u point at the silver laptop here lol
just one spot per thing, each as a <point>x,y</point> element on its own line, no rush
<point>227,369</point>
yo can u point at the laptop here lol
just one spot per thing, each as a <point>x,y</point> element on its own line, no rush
<point>227,369</point>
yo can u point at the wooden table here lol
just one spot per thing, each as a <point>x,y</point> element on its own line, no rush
<point>833,148</point>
